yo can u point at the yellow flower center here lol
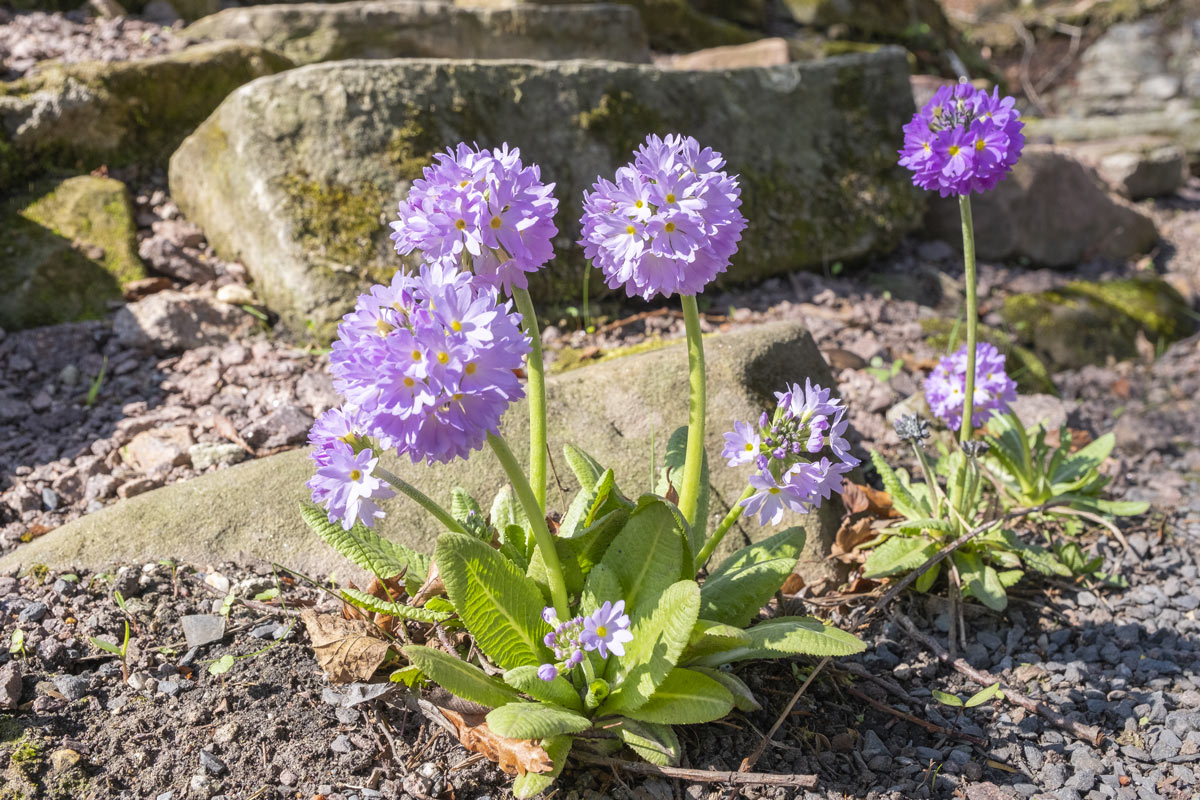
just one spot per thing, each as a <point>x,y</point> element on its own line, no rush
<point>925,146</point>
<point>669,227</point>
<point>601,631</point>
<point>383,328</point>
<point>979,145</point>
<point>774,490</point>
<point>749,447</point>
<point>463,184</point>
<point>630,230</point>
<point>416,354</point>
<point>443,358</point>
<point>461,224</point>
<point>671,197</point>
<point>456,396</point>
<point>496,223</point>
<point>409,382</point>
<point>470,369</point>
<point>953,150</point>
<point>456,326</point>
<point>355,475</point>
<point>639,204</point>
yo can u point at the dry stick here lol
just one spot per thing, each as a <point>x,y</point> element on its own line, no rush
<point>895,591</point>
<point>702,775</point>
<point>749,761</point>
<point>932,727</point>
<point>1087,733</point>
<point>1099,520</point>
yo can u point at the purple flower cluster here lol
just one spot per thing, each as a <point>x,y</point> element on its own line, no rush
<point>783,447</point>
<point>483,209</point>
<point>964,140</point>
<point>427,368</point>
<point>946,384</point>
<point>668,224</point>
<point>606,630</point>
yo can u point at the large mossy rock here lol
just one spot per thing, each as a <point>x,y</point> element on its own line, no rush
<point>79,116</point>
<point>1089,322</point>
<point>297,175</point>
<point>66,250</point>
<point>1051,210</point>
<point>310,32</point>
<point>612,410</point>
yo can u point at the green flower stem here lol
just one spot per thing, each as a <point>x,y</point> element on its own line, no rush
<point>689,492</point>
<point>422,499</point>
<point>733,516</point>
<point>537,398</point>
<point>537,520</point>
<point>934,486</point>
<point>968,232</point>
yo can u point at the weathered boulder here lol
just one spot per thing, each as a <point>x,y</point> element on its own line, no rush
<point>310,32</point>
<point>297,175</point>
<point>1087,322</point>
<point>1136,166</point>
<point>762,53</point>
<point>1051,210</point>
<point>1180,124</point>
<point>87,114</point>
<point>612,410</point>
<point>66,250</point>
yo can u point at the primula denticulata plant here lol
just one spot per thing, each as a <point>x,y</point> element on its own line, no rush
<point>597,634</point>
<point>966,140</point>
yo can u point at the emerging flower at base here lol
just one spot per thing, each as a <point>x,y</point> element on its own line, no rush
<point>805,421</point>
<point>347,487</point>
<point>605,630</point>
<point>669,224</point>
<point>994,390</point>
<point>483,208</point>
<point>964,140</point>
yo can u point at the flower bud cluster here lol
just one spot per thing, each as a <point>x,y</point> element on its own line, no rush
<point>605,630</point>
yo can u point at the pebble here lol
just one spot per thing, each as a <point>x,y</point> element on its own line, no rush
<point>32,612</point>
<point>211,763</point>
<point>202,629</point>
<point>10,684</point>
<point>72,687</point>
<point>341,744</point>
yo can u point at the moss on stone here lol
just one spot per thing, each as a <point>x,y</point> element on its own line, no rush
<point>337,223</point>
<point>1155,305</point>
<point>570,358</point>
<point>619,121</point>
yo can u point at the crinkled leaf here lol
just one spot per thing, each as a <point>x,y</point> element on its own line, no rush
<point>671,475</point>
<point>532,784</point>
<point>460,678</point>
<point>685,697</point>
<point>712,637</point>
<point>601,584</point>
<point>568,562</point>
<point>593,542</point>
<point>743,698</point>
<point>370,602</point>
<point>647,555</point>
<point>749,578</point>
<point>898,554</point>
<point>383,558</point>
<point>462,505</point>
<point>655,743</point>
<point>535,721</point>
<point>347,649</point>
<point>587,470</point>
<point>659,637</point>
<point>557,692</point>
<point>585,506</point>
<point>902,499</point>
<point>1086,459</point>
<point>507,511</point>
<point>500,606</point>
<point>789,636</point>
<point>926,524</point>
<point>513,756</point>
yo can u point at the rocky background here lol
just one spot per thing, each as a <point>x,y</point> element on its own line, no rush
<point>192,192</point>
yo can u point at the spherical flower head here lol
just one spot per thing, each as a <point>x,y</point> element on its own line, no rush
<point>483,208</point>
<point>994,390</point>
<point>668,224</point>
<point>430,361</point>
<point>607,629</point>
<point>346,486</point>
<point>964,140</point>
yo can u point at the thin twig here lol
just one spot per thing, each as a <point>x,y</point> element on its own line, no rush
<point>752,759</point>
<point>1099,520</point>
<point>702,775</point>
<point>936,558</point>
<point>1087,733</point>
<point>932,727</point>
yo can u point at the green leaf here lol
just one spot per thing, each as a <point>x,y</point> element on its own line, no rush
<point>1087,459</point>
<point>1115,508</point>
<point>18,642</point>
<point>585,505</point>
<point>902,499</point>
<point>532,784</point>
<point>568,562</point>
<point>947,699</point>
<point>601,584</point>
<point>1010,577</point>
<point>655,743</point>
<point>898,554</point>
<point>372,603</point>
<point>671,475</point>
<point>685,697</point>
<point>507,511</point>
<point>587,470</point>
<point>407,675</point>
<point>659,637</point>
<point>557,692</point>
<point>743,698</point>
<point>982,696</point>
<point>593,542</point>
<point>535,721</point>
<point>788,636</point>
<point>647,555</point>
<point>383,558</point>
<point>267,594</point>
<point>979,580</point>
<point>460,678</point>
<point>500,606</point>
<point>926,524</point>
<point>221,665</point>
<point>712,637</point>
<point>746,580</point>
<point>462,505</point>
<point>926,579</point>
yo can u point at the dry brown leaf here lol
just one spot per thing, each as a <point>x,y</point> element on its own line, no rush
<point>792,584</point>
<point>851,535</point>
<point>858,498</point>
<point>347,649</point>
<point>433,586</point>
<point>514,756</point>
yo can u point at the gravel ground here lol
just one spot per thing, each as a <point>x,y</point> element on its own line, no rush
<point>26,39</point>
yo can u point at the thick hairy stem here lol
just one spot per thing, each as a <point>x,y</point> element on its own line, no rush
<point>689,492</point>
<point>537,398</point>
<point>733,516</point>
<point>968,232</point>
<point>422,499</point>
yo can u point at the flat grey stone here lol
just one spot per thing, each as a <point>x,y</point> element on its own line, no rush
<point>202,629</point>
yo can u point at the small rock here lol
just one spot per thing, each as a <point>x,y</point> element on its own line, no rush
<point>266,631</point>
<point>202,629</point>
<point>72,687</point>
<point>174,321</point>
<point>49,499</point>
<point>10,684</point>
<point>69,375</point>
<point>64,760</point>
<point>211,763</point>
<point>168,687</point>
<point>33,612</point>
<point>341,744</point>
<point>154,452</point>
<point>226,733</point>
<point>284,426</point>
<point>206,454</point>
<point>139,680</point>
<point>236,294</point>
<point>1167,746</point>
<point>135,487</point>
